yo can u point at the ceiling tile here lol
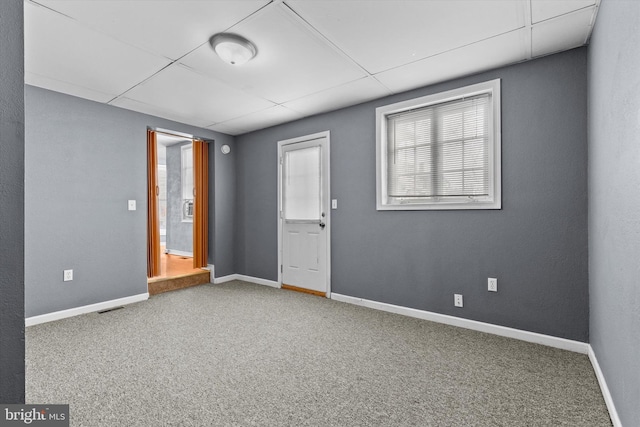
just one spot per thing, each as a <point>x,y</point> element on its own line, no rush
<point>158,111</point>
<point>388,34</point>
<point>228,129</point>
<point>60,49</point>
<point>292,60</point>
<point>497,51</point>
<point>181,91</point>
<point>169,28</point>
<point>562,33</point>
<point>65,87</point>
<point>546,9</point>
<point>261,119</point>
<point>351,93</point>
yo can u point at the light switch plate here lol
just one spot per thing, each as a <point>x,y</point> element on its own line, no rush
<point>334,203</point>
<point>132,205</point>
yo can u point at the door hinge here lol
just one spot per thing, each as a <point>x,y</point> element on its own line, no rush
<point>281,269</point>
<point>280,159</point>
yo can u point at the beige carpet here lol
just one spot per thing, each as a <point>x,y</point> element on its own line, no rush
<point>240,354</point>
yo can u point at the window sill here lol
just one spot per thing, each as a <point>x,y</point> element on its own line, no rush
<point>439,206</point>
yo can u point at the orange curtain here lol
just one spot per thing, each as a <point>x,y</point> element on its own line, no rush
<point>153,223</point>
<point>201,203</point>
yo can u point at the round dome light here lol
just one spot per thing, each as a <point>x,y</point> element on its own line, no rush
<point>232,48</point>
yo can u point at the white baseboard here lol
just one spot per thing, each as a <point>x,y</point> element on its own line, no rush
<point>212,272</point>
<point>259,281</point>
<point>225,279</point>
<point>606,394</point>
<point>76,311</point>
<point>562,343</point>
<point>256,280</point>
<point>179,253</point>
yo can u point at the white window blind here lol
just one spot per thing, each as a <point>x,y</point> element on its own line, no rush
<point>440,150</point>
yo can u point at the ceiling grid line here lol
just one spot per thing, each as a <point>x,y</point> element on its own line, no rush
<point>593,21</point>
<point>92,28</point>
<point>459,48</point>
<point>123,94</point>
<point>528,39</point>
<point>323,37</point>
<point>254,14</point>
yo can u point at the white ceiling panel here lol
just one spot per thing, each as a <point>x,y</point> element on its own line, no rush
<point>170,27</point>
<point>228,129</point>
<point>158,111</point>
<point>259,120</point>
<point>562,33</point>
<point>181,91</point>
<point>381,35</point>
<point>62,50</point>
<point>65,87</point>
<point>497,51</point>
<point>291,61</point>
<point>545,9</point>
<point>351,93</point>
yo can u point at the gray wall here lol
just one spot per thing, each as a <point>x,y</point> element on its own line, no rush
<point>536,245</point>
<point>84,160</point>
<point>12,205</point>
<point>614,202</point>
<point>224,198</point>
<point>179,233</point>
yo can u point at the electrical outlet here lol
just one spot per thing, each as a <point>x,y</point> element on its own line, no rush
<point>131,205</point>
<point>492,284</point>
<point>457,300</point>
<point>67,275</point>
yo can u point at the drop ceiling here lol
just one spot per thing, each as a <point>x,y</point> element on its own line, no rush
<point>313,56</point>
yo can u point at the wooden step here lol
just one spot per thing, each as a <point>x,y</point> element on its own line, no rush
<point>166,284</point>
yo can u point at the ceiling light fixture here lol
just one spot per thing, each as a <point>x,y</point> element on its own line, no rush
<point>232,48</point>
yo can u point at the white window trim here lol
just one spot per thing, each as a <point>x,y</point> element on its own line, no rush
<point>495,137</point>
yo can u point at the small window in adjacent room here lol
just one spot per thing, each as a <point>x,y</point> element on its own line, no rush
<point>440,151</point>
<point>187,183</point>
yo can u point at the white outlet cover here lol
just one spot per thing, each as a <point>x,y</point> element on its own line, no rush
<point>457,300</point>
<point>492,284</point>
<point>132,205</point>
<point>67,275</point>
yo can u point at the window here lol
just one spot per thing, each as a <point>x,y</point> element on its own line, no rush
<point>187,183</point>
<point>302,184</point>
<point>440,151</point>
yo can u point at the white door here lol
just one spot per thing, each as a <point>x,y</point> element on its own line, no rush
<point>304,214</point>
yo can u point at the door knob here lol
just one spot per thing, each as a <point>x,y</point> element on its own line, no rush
<point>322,225</point>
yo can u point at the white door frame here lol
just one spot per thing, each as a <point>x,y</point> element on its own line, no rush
<point>326,197</point>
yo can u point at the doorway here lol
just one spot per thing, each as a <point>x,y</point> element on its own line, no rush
<point>177,205</point>
<point>304,228</point>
